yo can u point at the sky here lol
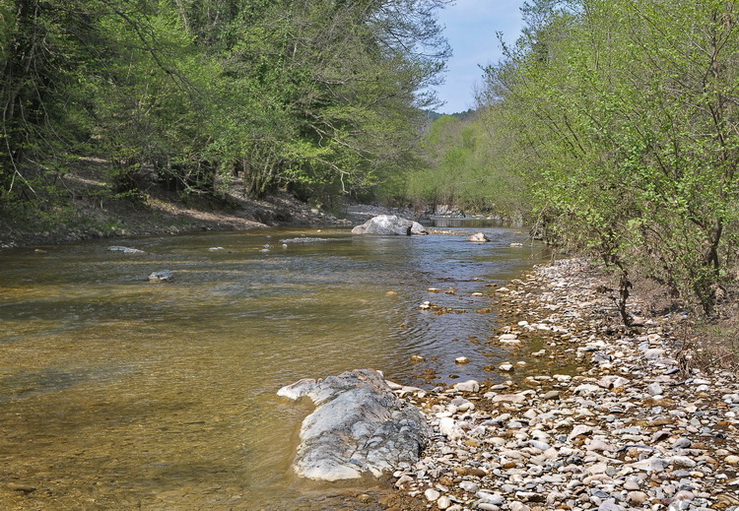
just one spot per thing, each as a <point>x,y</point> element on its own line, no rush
<point>471,26</point>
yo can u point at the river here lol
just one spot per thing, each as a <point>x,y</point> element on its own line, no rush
<point>120,393</point>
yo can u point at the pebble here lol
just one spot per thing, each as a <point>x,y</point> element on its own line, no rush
<point>443,502</point>
<point>431,494</point>
<point>623,431</point>
<point>467,386</point>
<point>636,498</point>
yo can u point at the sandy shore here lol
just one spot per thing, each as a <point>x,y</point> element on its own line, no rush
<point>611,419</point>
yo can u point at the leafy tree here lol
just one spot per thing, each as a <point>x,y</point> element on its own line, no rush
<point>629,108</point>
<point>324,96</point>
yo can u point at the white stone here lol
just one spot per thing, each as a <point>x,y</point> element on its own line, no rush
<point>431,494</point>
<point>467,386</point>
<point>655,389</point>
<point>443,502</point>
<point>682,462</point>
<point>653,464</point>
<point>580,429</point>
<point>586,389</point>
<point>538,444</point>
<point>448,426</point>
<point>487,497</point>
<point>636,498</point>
<point>469,486</point>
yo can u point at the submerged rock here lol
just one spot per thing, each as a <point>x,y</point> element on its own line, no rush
<point>359,427</point>
<point>161,276</point>
<point>304,239</point>
<point>390,225</point>
<point>125,250</point>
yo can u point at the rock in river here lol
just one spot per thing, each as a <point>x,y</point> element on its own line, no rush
<point>390,225</point>
<point>478,237</point>
<point>125,250</point>
<point>359,427</point>
<point>161,276</point>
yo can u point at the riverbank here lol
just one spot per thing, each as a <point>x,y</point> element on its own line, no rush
<point>80,205</point>
<point>613,419</point>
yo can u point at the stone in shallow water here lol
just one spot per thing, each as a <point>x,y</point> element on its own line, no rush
<point>125,250</point>
<point>359,427</point>
<point>161,276</point>
<point>390,225</point>
<point>478,237</point>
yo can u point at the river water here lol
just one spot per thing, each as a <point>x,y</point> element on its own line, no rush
<point>120,393</point>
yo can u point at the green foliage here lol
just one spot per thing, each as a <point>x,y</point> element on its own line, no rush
<point>324,95</point>
<point>468,164</point>
<point>624,115</point>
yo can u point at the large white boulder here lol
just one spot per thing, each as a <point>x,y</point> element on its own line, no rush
<point>359,427</point>
<point>390,225</point>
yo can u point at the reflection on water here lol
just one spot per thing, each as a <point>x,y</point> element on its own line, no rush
<point>118,393</point>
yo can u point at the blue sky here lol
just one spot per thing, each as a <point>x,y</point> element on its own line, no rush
<point>471,26</point>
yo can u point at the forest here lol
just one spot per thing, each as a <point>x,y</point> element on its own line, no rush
<point>325,97</point>
<point>612,126</point>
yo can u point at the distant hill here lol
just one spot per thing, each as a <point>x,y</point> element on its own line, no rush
<point>432,116</point>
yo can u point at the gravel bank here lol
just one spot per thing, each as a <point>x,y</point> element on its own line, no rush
<point>626,427</point>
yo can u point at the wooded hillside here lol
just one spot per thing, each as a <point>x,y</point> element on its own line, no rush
<point>322,96</point>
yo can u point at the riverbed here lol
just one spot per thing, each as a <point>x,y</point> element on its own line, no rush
<point>121,393</point>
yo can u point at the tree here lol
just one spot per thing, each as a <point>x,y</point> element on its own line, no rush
<point>316,95</point>
<point>630,109</point>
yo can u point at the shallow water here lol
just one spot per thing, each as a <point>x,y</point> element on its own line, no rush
<point>120,393</point>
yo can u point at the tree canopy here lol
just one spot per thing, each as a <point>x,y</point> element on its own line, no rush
<point>615,125</point>
<point>312,94</point>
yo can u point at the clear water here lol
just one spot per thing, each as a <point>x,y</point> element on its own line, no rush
<point>120,393</point>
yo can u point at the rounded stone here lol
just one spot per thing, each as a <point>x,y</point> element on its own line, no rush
<point>443,502</point>
<point>431,494</point>
<point>636,498</point>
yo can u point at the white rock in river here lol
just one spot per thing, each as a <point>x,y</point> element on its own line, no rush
<point>161,276</point>
<point>125,250</point>
<point>359,427</point>
<point>586,389</point>
<point>478,237</point>
<point>390,225</point>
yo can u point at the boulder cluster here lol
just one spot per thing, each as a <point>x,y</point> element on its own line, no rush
<point>612,419</point>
